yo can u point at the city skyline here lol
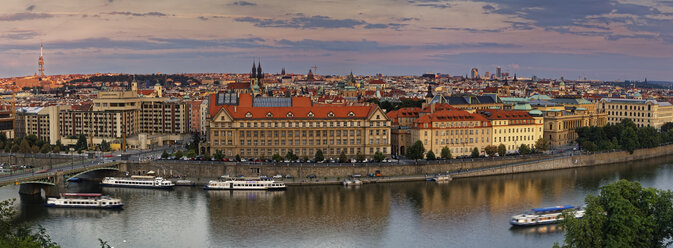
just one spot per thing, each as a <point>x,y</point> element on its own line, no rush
<point>604,40</point>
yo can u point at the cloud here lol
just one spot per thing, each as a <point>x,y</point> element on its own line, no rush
<point>302,22</point>
<point>471,30</point>
<point>470,45</point>
<point>395,26</point>
<point>126,13</point>
<point>30,8</point>
<point>150,44</point>
<point>341,46</point>
<point>244,3</point>
<point>488,8</point>
<point>19,35</point>
<point>24,16</point>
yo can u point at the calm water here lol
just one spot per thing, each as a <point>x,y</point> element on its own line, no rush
<point>463,213</point>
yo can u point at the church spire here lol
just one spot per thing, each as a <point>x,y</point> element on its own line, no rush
<point>254,70</point>
<point>259,69</point>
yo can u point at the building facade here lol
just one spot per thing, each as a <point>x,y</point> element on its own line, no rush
<point>514,128</point>
<point>261,127</point>
<point>560,125</point>
<point>644,113</point>
<point>458,130</point>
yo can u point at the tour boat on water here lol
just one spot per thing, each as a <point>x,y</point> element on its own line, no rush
<point>244,183</point>
<point>547,215</point>
<point>138,182</point>
<point>442,178</point>
<point>84,200</point>
<point>351,182</point>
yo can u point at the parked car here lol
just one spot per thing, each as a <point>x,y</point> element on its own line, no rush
<point>279,176</point>
<point>310,176</point>
<point>288,176</point>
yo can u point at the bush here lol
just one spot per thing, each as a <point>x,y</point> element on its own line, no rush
<point>430,155</point>
<point>475,153</point>
<point>446,153</point>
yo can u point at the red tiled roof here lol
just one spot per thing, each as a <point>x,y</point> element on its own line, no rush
<point>450,115</point>
<point>238,86</point>
<point>377,81</point>
<point>498,114</point>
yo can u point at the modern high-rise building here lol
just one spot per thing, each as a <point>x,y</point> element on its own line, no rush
<point>498,72</point>
<point>475,73</point>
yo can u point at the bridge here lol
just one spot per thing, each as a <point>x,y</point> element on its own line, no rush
<point>54,182</point>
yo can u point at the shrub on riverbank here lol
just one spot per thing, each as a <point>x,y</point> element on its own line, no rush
<point>13,234</point>
<point>624,135</point>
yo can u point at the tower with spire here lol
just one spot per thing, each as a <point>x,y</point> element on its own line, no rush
<point>256,78</point>
<point>40,62</point>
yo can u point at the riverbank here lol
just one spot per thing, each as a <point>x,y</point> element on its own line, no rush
<point>325,174</point>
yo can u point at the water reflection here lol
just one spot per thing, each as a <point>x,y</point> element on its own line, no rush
<point>82,212</point>
<point>537,230</point>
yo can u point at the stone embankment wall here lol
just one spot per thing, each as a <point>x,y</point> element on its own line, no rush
<point>466,168</point>
<point>34,159</point>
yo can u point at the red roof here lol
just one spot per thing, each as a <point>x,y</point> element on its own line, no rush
<point>238,86</point>
<point>377,81</point>
<point>498,114</point>
<point>450,115</point>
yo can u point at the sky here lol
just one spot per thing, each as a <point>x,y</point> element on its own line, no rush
<point>596,39</point>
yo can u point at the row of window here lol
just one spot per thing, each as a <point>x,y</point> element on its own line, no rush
<point>305,152</point>
<point>301,124</point>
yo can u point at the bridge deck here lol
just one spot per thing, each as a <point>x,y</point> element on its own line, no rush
<point>48,177</point>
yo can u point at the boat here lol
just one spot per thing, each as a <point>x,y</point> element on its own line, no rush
<point>84,200</point>
<point>442,178</point>
<point>546,215</point>
<point>244,183</point>
<point>351,182</point>
<point>138,182</point>
<point>184,182</point>
<point>42,171</point>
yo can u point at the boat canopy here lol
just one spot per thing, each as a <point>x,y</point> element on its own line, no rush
<point>82,194</point>
<point>555,208</point>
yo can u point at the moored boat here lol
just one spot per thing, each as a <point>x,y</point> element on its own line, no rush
<point>138,182</point>
<point>442,178</point>
<point>546,215</point>
<point>84,200</point>
<point>351,182</point>
<point>245,183</point>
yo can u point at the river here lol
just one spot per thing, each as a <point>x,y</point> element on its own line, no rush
<point>467,212</point>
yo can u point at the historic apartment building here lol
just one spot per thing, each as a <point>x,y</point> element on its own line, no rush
<point>112,116</point>
<point>260,127</point>
<point>458,130</point>
<point>514,128</point>
<point>560,125</point>
<point>644,113</point>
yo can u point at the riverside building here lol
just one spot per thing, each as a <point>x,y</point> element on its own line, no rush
<point>514,128</point>
<point>644,113</point>
<point>259,127</point>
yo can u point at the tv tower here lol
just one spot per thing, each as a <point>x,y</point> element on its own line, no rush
<point>40,61</point>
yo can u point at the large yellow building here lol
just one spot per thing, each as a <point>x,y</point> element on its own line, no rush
<point>458,130</point>
<point>644,113</point>
<point>560,125</point>
<point>261,127</point>
<point>514,128</point>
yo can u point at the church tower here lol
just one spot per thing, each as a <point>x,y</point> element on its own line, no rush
<point>253,75</point>
<point>260,76</point>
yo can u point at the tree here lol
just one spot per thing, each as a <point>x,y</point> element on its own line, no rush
<point>664,128</point>
<point>446,153</point>
<point>359,157</point>
<point>81,143</point>
<point>416,150</point>
<point>290,156</point>
<point>475,153</point>
<point>45,148</point>
<point>430,155</point>
<point>542,144</point>
<point>629,139</point>
<point>25,146</point>
<point>196,140</point>
<point>624,214</point>
<point>14,234</point>
<point>276,157</point>
<point>15,148</point>
<point>238,158</point>
<point>165,155</point>
<point>502,150</point>
<point>105,146</point>
<point>524,149</point>
<point>178,154</point>
<point>378,156</point>
<point>190,154</point>
<point>219,155</point>
<point>8,145</point>
<point>206,157</point>
<point>589,146</point>
<point>34,149</point>
<point>342,157</point>
<point>491,150</point>
<point>56,149</point>
<point>319,156</point>
<point>32,139</point>
<point>59,144</point>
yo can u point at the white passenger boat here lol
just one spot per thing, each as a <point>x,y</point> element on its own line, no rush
<point>351,182</point>
<point>84,200</point>
<point>547,215</point>
<point>138,182</point>
<point>244,183</point>
<point>442,178</point>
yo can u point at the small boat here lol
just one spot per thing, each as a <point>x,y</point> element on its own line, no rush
<point>351,182</point>
<point>138,182</point>
<point>42,171</point>
<point>245,183</point>
<point>183,182</point>
<point>84,200</point>
<point>74,179</point>
<point>546,215</point>
<point>442,178</point>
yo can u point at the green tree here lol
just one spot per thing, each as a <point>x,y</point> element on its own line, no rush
<point>56,149</point>
<point>25,146</point>
<point>45,148</point>
<point>319,156</point>
<point>8,145</point>
<point>624,214</point>
<point>524,149</point>
<point>378,156</point>
<point>475,153</point>
<point>446,153</point>
<point>491,150</point>
<point>14,234</point>
<point>165,155</point>
<point>190,154</point>
<point>542,144</point>
<point>629,139</point>
<point>81,143</point>
<point>416,150</point>
<point>664,128</point>
<point>290,156</point>
<point>196,141</point>
<point>105,146</point>
<point>276,157</point>
<point>342,157</point>
<point>15,148</point>
<point>359,157</point>
<point>34,149</point>
<point>178,154</point>
<point>219,155</point>
<point>3,138</point>
<point>430,155</point>
<point>502,150</point>
<point>59,144</point>
<point>206,157</point>
<point>32,139</point>
<point>237,158</point>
